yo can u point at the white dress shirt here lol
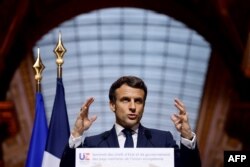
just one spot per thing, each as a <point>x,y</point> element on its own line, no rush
<point>121,136</point>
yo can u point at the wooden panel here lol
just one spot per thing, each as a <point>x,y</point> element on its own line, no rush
<point>212,137</point>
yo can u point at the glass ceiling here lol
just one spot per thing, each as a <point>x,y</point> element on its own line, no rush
<point>105,44</point>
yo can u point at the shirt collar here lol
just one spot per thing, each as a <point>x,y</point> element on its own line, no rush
<point>119,128</point>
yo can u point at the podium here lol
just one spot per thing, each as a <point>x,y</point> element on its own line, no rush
<point>124,157</point>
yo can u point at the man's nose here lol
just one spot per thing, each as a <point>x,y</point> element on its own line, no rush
<point>132,106</point>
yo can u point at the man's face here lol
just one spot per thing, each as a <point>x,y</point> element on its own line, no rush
<point>129,106</point>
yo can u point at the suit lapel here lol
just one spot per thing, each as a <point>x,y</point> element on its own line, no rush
<point>112,140</point>
<point>141,140</point>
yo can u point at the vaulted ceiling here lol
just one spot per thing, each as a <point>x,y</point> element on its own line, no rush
<point>224,23</point>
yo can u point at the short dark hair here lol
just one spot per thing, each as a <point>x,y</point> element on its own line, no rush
<point>131,81</point>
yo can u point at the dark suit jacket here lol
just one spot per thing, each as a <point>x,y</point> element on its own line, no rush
<point>184,157</point>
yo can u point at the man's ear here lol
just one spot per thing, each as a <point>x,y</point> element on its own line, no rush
<point>112,106</point>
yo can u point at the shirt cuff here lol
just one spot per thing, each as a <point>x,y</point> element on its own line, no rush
<point>189,143</point>
<point>74,142</point>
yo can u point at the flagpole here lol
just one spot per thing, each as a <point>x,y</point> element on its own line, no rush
<point>40,127</point>
<point>38,67</point>
<point>59,51</point>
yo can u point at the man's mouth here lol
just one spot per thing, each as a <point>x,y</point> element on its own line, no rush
<point>132,116</point>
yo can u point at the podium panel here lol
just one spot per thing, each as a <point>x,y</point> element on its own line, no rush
<point>124,157</point>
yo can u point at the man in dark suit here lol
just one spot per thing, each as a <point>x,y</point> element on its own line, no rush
<point>127,100</point>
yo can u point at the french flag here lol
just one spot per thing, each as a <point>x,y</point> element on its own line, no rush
<point>59,130</point>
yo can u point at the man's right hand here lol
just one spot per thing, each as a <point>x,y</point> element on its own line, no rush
<point>83,122</point>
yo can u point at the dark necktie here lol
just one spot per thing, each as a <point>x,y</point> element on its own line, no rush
<point>129,140</point>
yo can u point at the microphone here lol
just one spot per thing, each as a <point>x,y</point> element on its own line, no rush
<point>104,136</point>
<point>148,135</point>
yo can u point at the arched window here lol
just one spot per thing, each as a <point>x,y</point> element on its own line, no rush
<point>105,44</point>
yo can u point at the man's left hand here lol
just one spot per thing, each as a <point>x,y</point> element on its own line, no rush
<point>180,120</point>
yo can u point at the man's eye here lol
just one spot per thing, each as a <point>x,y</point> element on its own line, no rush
<point>139,101</point>
<point>125,100</point>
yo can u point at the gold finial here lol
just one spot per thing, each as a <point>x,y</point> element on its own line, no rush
<point>39,67</point>
<point>59,51</point>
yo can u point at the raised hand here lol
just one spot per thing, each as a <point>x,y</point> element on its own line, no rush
<point>83,122</point>
<point>180,120</point>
